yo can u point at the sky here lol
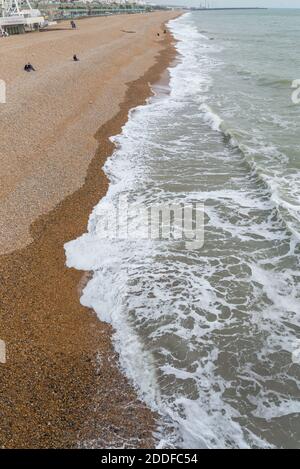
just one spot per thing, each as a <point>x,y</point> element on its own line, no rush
<point>235,3</point>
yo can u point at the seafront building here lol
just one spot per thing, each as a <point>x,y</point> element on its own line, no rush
<point>74,9</point>
<point>18,16</point>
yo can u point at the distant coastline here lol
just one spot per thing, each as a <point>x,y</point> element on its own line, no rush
<point>224,9</point>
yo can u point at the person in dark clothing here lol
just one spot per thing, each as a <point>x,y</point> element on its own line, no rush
<point>75,58</point>
<point>157,34</point>
<point>29,68</point>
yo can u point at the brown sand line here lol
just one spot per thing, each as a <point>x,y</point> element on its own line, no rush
<point>61,383</point>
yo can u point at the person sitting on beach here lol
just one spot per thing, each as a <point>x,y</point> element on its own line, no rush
<point>75,58</point>
<point>29,68</point>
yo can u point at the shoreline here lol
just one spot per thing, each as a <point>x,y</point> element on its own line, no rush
<point>61,386</point>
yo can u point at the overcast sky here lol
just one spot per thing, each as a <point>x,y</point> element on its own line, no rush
<point>234,3</point>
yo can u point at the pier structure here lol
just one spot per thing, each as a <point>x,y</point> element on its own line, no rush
<point>17,16</point>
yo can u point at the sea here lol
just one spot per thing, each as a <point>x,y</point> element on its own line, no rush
<point>209,334</point>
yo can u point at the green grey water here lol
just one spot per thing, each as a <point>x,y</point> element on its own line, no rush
<point>252,92</point>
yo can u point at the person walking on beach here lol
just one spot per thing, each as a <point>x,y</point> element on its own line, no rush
<point>73,24</point>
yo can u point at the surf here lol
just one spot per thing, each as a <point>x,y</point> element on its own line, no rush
<point>206,336</point>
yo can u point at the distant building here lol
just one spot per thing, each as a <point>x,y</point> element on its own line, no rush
<point>18,15</point>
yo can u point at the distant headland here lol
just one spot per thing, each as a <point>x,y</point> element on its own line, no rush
<point>222,9</point>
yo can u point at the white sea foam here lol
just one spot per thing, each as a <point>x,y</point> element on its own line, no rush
<point>196,331</point>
